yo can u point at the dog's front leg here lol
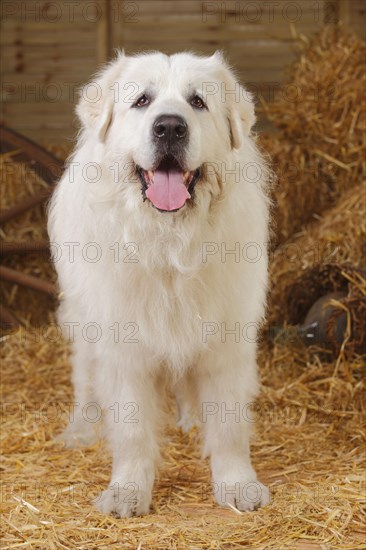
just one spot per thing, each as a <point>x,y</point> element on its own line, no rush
<point>80,430</point>
<point>227,388</point>
<point>132,410</point>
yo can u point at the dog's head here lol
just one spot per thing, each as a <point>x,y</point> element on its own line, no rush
<point>165,118</point>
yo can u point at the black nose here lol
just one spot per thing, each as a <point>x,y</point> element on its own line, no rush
<point>170,128</point>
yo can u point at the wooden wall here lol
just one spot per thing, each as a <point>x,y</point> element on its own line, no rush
<point>50,48</point>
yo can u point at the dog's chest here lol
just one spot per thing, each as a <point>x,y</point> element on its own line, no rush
<point>168,309</point>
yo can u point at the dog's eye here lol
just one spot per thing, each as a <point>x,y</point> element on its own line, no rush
<point>197,102</point>
<point>142,101</point>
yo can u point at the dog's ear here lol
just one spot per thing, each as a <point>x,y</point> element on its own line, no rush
<point>95,107</point>
<point>241,116</point>
<point>238,101</point>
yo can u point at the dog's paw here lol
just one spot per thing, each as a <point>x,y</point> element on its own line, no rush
<point>124,500</point>
<point>244,494</point>
<point>75,436</point>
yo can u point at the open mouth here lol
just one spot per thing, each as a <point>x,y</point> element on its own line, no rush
<point>169,186</point>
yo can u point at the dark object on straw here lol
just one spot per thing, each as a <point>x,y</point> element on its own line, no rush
<point>326,308</point>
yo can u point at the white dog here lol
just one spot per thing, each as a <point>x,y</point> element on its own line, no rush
<point>159,226</point>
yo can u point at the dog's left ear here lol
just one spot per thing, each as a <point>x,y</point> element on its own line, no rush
<point>238,101</point>
<point>241,116</point>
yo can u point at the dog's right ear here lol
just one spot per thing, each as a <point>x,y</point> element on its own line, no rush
<point>95,107</point>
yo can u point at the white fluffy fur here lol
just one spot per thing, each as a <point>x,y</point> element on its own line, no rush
<point>170,293</point>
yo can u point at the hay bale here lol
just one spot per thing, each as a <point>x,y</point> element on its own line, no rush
<point>17,182</point>
<point>316,262</point>
<point>319,150</point>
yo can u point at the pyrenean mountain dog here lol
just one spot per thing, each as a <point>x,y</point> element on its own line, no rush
<point>159,226</point>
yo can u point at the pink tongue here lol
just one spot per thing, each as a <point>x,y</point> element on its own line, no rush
<point>168,191</point>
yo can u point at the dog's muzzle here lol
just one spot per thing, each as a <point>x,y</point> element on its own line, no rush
<point>168,185</point>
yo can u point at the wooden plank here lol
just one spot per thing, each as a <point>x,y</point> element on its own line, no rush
<point>33,92</point>
<point>45,136</point>
<point>57,110</point>
<point>17,24</point>
<point>52,65</point>
<point>153,7</point>
<point>64,75</point>
<point>55,49</point>
<point>247,9</point>
<point>184,24</point>
<point>53,73</point>
<point>103,32</point>
<point>357,17</point>
<point>43,11</point>
<point>167,29</point>
<point>344,11</point>
<point>45,26</point>
<point>30,37</point>
<point>288,12</point>
<point>41,115</point>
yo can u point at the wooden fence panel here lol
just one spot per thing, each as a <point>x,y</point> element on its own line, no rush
<point>49,49</point>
